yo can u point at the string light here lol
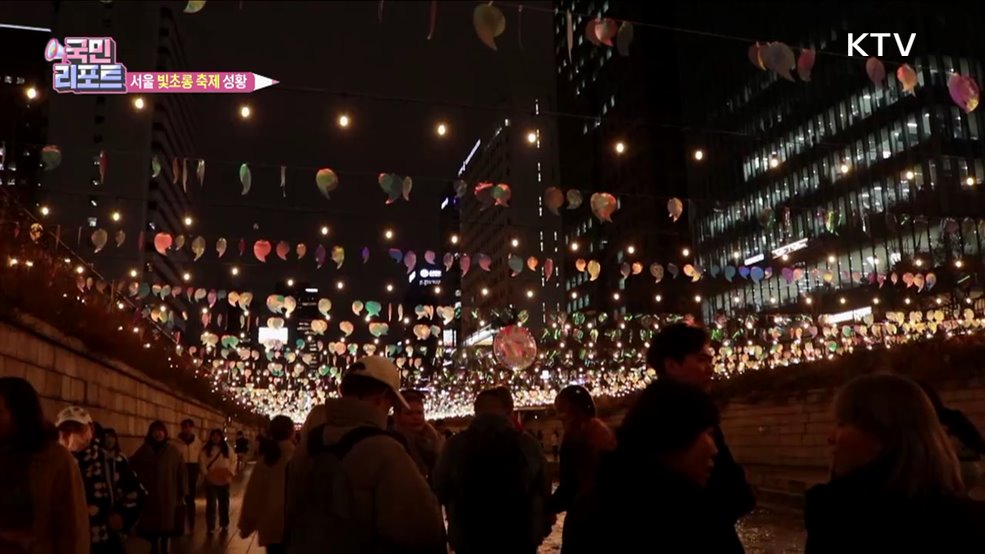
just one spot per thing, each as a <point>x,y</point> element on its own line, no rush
<point>774,162</point>
<point>290,282</point>
<point>574,295</point>
<point>875,300</point>
<point>388,234</point>
<point>454,239</point>
<point>842,300</point>
<point>907,301</point>
<point>658,298</point>
<point>699,155</point>
<point>133,273</point>
<point>234,271</point>
<point>809,300</point>
<point>485,291</point>
<point>437,290</point>
<point>343,120</point>
<point>138,103</point>
<point>188,221</point>
<point>45,211</point>
<point>958,264</point>
<point>574,246</point>
<point>831,258</point>
<point>530,293</point>
<point>515,242</point>
<point>918,262</point>
<point>324,230</point>
<point>339,285</point>
<point>686,252</point>
<point>115,216</point>
<point>615,296</point>
<point>532,137</point>
<point>389,288</point>
<point>31,93</point>
<point>630,249</point>
<point>970,181</point>
<point>909,175</point>
<point>186,277</point>
<point>245,112</point>
<point>736,255</point>
<point>80,270</point>
<point>441,129</point>
<point>620,147</point>
<point>697,298</point>
<point>844,168</point>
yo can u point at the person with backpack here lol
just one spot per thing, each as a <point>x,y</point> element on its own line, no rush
<point>114,494</point>
<point>493,482</point>
<point>353,488</point>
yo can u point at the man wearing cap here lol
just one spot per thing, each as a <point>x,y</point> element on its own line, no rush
<point>393,508</point>
<point>114,494</point>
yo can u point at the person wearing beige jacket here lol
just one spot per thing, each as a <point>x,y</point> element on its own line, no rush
<point>42,499</point>
<point>393,509</point>
<point>262,510</point>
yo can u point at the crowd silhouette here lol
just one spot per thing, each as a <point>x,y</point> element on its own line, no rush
<point>355,480</point>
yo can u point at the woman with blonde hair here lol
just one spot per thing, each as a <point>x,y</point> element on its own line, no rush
<point>896,484</point>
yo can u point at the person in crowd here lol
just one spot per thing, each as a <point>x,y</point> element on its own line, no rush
<point>682,352</point>
<point>492,479</point>
<point>161,469</point>
<point>355,487</point>
<point>190,447</point>
<point>422,440</point>
<point>263,502</point>
<point>217,467</point>
<point>42,497</point>
<point>896,484</point>
<point>586,437</point>
<point>556,445</point>
<point>114,494</point>
<point>967,441</point>
<point>111,442</point>
<point>242,446</point>
<point>652,489</point>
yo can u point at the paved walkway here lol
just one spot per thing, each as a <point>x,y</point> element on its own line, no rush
<point>763,532</point>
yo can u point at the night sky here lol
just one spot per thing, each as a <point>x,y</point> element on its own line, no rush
<point>328,58</point>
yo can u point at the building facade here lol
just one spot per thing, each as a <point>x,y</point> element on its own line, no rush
<point>128,132</point>
<point>831,187</point>
<point>522,155</point>
<point>620,133</point>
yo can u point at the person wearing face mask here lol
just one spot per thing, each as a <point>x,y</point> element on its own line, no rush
<point>896,484</point>
<point>42,497</point>
<point>651,492</point>
<point>682,353</point>
<point>113,493</point>
<point>161,469</point>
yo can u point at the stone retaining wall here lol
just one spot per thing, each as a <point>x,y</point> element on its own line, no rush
<point>116,395</point>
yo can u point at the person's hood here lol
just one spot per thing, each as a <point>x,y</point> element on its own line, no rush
<point>345,414</point>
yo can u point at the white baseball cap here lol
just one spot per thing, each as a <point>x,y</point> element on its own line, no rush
<point>382,370</point>
<point>73,413</point>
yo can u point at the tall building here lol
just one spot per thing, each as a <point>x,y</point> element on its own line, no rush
<point>129,135</point>
<point>450,222</point>
<point>621,135</point>
<point>522,155</point>
<point>24,79</point>
<point>831,185</point>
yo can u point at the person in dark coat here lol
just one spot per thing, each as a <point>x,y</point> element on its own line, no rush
<point>651,493</point>
<point>161,469</point>
<point>965,437</point>
<point>586,438</point>
<point>897,483</point>
<point>681,352</point>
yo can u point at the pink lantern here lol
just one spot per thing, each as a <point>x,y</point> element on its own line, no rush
<point>514,347</point>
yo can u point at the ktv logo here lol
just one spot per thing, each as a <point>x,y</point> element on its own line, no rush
<point>854,43</point>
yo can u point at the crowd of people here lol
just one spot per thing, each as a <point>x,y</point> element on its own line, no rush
<point>66,487</point>
<point>356,480</point>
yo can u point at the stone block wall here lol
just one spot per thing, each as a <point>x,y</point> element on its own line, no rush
<point>116,395</point>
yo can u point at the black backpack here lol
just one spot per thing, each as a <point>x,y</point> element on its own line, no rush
<point>492,505</point>
<point>320,500</point>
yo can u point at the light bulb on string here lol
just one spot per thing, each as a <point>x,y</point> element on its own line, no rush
<point>532,137</point>
<point>138,103</point>
<point>388,234</point>
<point>343,120</point>
<point>45,210</point>
<point>441,129</point>
<point>620,147</point>
<point>188,221</point>
<point>245,112</point>
<point>115,216</point>
<point>31,93</point>
<point>699,155</point>
<point>234,271</point>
